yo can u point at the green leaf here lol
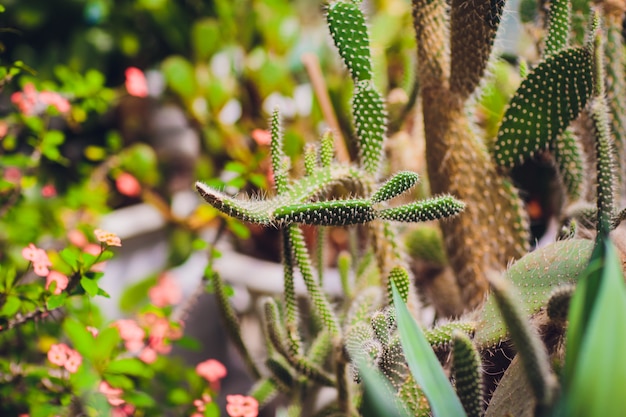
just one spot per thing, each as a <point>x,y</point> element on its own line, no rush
<point>120,381</point>
<point>179,74</point>
<point>130,366</point>
<point>139,399</point>
<point>81,338</point>
<point>599,368</point>
<point>205,35</point>
<point>11,306</point>
<point>552,95</point>
<point>56,300</point>
<point>50,143</point>
<point>70,256</point>
<point>424,365</point>
<point>106,341</point>
<point>89,285</point>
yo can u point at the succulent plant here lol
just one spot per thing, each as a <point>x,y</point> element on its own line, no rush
<point>484,229</point>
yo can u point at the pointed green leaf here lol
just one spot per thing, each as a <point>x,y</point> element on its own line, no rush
<point>546,102</point>
<point>90,286</point>
<point>597,373</point>
<point>424,365</point>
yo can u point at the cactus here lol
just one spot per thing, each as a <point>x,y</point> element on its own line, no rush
<point>484,232</point>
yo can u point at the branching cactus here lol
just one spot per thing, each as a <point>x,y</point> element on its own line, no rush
<point>480,214</point>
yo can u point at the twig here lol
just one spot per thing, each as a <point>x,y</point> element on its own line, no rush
<point>312,66</point>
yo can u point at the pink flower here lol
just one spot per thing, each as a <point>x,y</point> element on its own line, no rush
<point>74,360</point>
<point>48,191</point>
<point>61,355</point>
<point>211,370</point>
<point>242,406</point>
<point>12,175</point>
<point>39,258</point>
<point>128,185</point>
<point>262,137</point>
<point>109,238</point>
<point>166,292</point>
<point>136,83</point>
<point>59,278</point>
<point>148,355</point>
<point>94,332</point>
<point>4,128</point>
<point>31,102</point>
<point>131,334</point>
<point>58,354</point>
<point>201,403</point>
<point>113,395</point>
<point>78,238</point>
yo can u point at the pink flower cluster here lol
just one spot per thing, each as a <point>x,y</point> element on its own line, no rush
<point>160,333</point>
<point>200,405</point>
<point>166,292</point>
<point>41,264</point>
<point>242,406</point>
<point>31,102</point>
<point>114,397</point>
<point>61,355</point>
<point>213,371</point>
<point>136,83</point>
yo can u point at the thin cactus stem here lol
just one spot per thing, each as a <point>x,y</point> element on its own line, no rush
<point>232,324</point>
<point>343,391</point>
<point>291,301</point>
<point>320,302</point>
<point>466,372</point>
<point>277,153</point>
<point>263,391</point>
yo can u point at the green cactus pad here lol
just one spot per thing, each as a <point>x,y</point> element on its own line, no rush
<point>466,372</point>
<point>534,277</point>
<point>558,27</point>
<point>349,31</point>
<point>546,102</point>
<point>425,210</point>
<point>327,213</point>
<point>400,183</point>
<point>441,336</point>
<point>370,119</point>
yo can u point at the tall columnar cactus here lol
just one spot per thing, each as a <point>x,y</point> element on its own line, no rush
<point>492,230</point>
